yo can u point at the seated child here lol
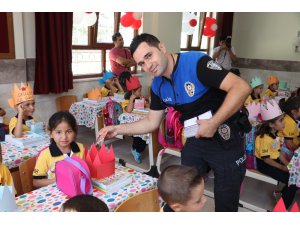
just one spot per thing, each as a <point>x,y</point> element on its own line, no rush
<point>23,101</point>
<point>273,83</point>
<point>291,107</point>
<point>111,85</point>
<point>134,89</point>
<point>3,127</point>
<point>181,187</point>
<point>5,175</point>
<point>257,88</point>
<point>63,130</point>
<point>269,158</point>
<point>84,203</point>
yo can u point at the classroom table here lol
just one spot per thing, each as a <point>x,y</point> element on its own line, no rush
<point>50,198</point>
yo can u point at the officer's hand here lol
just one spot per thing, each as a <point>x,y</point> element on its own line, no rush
<point>207,128</point>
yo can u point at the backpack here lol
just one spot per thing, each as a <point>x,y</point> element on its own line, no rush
<point>250,149</point>
<point>3,131</point>
<point>170,130</point>
<point>114,111</point>
<point>73,176</point>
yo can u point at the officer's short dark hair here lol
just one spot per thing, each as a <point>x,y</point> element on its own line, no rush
<point>150,39</point>
<point>115,36</point>
<point>176,182</point>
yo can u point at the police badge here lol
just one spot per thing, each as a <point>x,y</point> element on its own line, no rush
<point>224,131</point>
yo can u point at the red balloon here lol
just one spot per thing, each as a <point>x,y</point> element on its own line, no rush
<point>209,21</point>
<point>89,12</point>
<point>208,32</point>
<point>127,20</point>
<point>136,24</point>
<point>193,22</point>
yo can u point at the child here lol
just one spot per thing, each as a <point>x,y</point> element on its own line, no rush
<point>291,131</point>
<point>269,159</point>
<point>181,187</point>
<point>5,175</point>
<point>3,127</point>
<point>257,88</point>
<point>63,130</point>
<point>273,83</point>
<point>84,203</point>
<point>111,84</point>
<point>134,89</point>
<point>23,100</point>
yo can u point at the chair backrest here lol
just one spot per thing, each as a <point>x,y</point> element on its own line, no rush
<point>144,202</point>
<point>63,103</point>
<point>26,169</point>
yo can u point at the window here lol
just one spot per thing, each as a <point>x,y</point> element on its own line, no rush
<point>197,41</point>
<point>7,45</point>
<point>91,45</point>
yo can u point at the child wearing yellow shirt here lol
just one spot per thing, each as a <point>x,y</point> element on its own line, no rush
<point>269,158</point>
<point>273,83</point>
<point>134,89</point>
<point>23,101</point>
<point>5,175</point>
<point>291,131</point>
<point>63,130</point>
<point>257,88</point>
<point>111,84</point>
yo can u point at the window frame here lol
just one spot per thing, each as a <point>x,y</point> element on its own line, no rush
<point>93,45</point>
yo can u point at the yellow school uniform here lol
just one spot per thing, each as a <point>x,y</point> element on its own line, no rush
<point>45,163</point>
<point>268,146</point>
<point>124,103</point>
<point>251,98</point>
<point>270,93</point>
<point>290,130</point>
<point>13,122</point>
<point>5,176</point>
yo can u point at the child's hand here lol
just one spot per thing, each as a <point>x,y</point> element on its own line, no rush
<point>2,112</point>
<point>20,109</point>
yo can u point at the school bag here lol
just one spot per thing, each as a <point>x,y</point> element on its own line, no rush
<point>114,111</point>
<point>73,176</point>
<point>170,130</point>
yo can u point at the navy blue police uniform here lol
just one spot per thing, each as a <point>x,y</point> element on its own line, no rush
<point>193,90</point>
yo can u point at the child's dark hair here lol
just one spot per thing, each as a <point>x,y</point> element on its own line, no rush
<point>128,94</point>
<point>61,116</point>
<point>293,103</point>
<point>124,76</point>
<point>176,183</point>
<point>84,203</point>
<point>265,128</point>
<point>150,39</point>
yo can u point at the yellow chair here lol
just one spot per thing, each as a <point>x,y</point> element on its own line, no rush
<point>26,169</point>
<point>63,103</point>
<point>144,202</point>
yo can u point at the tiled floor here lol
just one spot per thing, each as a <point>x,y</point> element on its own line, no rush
<point>253,192</point>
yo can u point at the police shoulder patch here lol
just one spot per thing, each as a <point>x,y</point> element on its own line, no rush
<point>213,65</point>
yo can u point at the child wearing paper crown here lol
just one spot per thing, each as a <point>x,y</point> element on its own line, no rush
<point>257,88</point>
<point>84,203</point>
<point>273,83</point>
<point>111,84</point>
<point>291,130</point>
<point>23,100</point>
<point>134,89</point>
<point>269,158</point>
<point>63,130</point>
<point>181,187</point>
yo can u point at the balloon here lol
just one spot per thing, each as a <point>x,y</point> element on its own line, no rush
<point>210,21</point>
<point>214,27</point>
<point>89,19</point>
<point>78,17</point>
<point>193,22</point>
<point>208,32</point>
<point>127,20</point>
<point>88,12</point>
<point>137,15</point>
<point>136,24</point>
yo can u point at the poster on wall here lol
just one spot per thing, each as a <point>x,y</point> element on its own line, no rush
<point>7,48</point>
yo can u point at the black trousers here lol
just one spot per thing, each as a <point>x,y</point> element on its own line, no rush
<point>138,144</point>
<point>288,192</point>
<point>226,159</point>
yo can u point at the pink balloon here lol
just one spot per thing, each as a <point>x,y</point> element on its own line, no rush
<point>127,20</point>
<point>137,15</point>
<point>136,24</point>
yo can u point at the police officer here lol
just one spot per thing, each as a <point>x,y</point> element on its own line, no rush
<point>194,84</point>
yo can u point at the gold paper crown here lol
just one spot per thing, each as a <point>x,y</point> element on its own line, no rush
<point>20,95</point>
<point>94,94</point>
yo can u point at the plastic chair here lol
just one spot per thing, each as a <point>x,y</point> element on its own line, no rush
<point>144,202</point>
<point>63,103</point>
<point>170,151</point>
<point>26,169</point>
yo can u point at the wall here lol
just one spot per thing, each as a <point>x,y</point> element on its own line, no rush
<point>266,35</point>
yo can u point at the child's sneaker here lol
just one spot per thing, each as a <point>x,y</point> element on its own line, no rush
<point>137,156</point>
